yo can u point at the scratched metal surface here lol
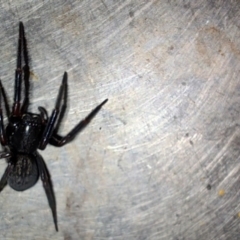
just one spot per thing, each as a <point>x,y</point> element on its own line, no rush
<point>161,159</point>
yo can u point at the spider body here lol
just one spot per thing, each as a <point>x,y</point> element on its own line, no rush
<point>27,132</point>
<point>24,135</point>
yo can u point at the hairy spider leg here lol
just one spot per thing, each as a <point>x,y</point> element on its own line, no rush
<point>48,187</point>
<point>18,75</point>
<point>51,122</point>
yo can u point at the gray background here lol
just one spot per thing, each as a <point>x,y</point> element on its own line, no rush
<point>161,159</point>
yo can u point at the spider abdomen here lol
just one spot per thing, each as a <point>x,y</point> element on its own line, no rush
<point>23,173</point>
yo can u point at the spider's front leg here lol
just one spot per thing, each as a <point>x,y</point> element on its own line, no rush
<point>48,187</point>
<point>17,110</point>
<point>18,75</point>
<point>26,73</point>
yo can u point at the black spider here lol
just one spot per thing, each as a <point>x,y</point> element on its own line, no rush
<point>26,132</point>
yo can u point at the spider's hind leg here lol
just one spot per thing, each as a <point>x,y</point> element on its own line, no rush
<point>48,187</point>
<point>3,181</point>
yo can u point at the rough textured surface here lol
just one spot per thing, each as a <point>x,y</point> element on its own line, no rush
<point>161,160</point>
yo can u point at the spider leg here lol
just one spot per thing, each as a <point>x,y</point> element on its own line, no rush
<point>3,93</point>
<point>3,138</point>
<point>5,155</point>
<point>26,73</point>
<point>58,141</point>
<point>51,122</point>
<point>48,187</point>
<point>64,105</point>
<point>18,75</point>
<point>3,181</point>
